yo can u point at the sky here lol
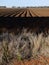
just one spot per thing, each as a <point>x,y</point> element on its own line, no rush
<point>24,3</point>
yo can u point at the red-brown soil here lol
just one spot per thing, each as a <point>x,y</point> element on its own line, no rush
<point>41,60</point>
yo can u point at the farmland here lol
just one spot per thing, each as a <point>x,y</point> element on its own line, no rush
<point>24,36</point>
<point>24,12</point>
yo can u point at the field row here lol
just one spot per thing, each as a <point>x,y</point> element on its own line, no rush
<point>24,12</point>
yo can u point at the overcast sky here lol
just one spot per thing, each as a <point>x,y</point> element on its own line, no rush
<point>24,3</point>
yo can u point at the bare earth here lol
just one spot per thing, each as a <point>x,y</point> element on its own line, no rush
<point>24,12</point>
<point>41,60</point>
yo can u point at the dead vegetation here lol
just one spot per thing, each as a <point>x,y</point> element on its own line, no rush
<point>23,45</point>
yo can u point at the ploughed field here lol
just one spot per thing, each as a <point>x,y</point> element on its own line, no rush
<point>16,12</point>
<point>24,12</point>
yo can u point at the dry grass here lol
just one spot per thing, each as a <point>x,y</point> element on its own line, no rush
<point>24,45</point>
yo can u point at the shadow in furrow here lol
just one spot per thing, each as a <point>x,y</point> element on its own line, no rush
<point>21,14</point>
<point>30,14</point>
<point>25,13</point>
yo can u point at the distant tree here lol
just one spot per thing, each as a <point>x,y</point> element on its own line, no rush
<point>18,7</point>
<point>13,6</point>
<point>2,6</point>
